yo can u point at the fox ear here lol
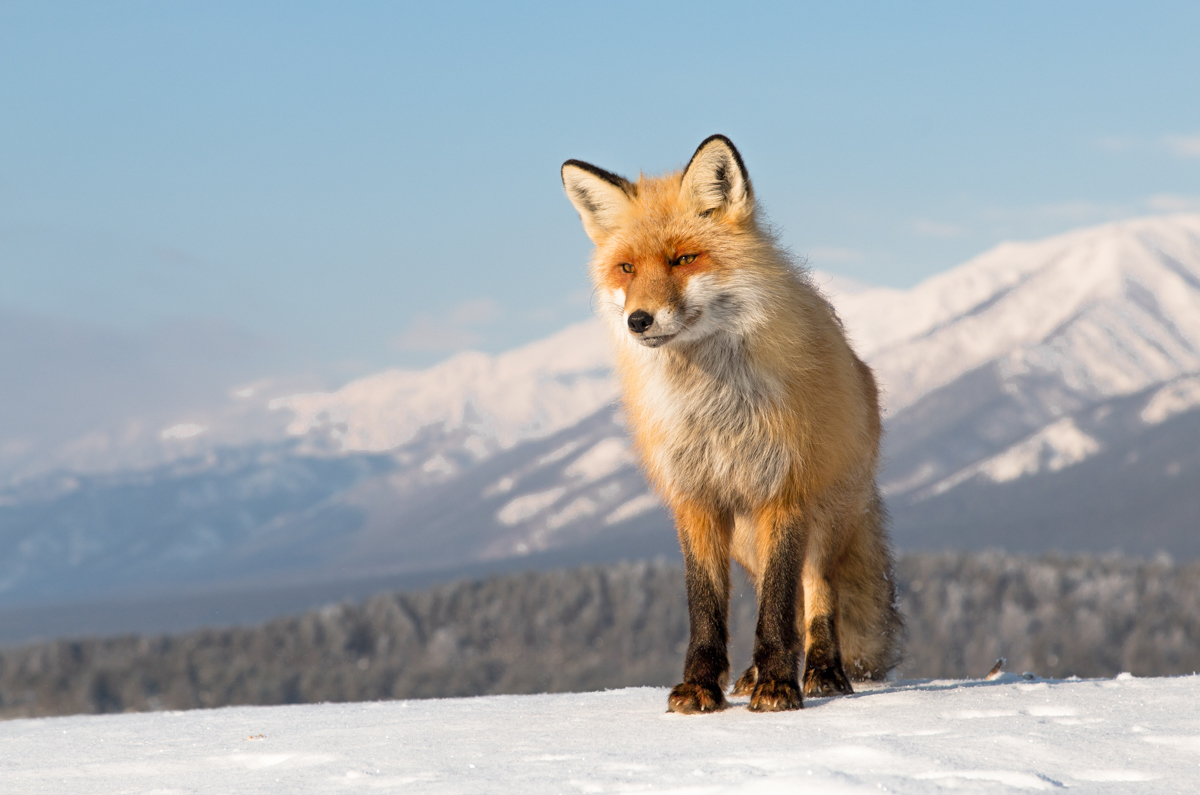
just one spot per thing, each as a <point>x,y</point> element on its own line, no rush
<point>600,196</point>
<point>716,178</point>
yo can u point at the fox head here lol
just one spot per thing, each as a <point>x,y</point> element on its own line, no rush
<point>674,254</point>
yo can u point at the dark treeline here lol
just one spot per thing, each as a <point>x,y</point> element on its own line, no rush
<point>616,626</point>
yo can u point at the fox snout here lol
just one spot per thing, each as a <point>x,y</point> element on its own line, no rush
<point>653,329</point>
<point>646,331</point>
<point>639,321</point>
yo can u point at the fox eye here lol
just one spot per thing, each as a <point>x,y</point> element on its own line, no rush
<point>625,266</point>
<point>686,259</point>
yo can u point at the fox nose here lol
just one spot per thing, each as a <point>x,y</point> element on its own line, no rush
<point>640,320</point>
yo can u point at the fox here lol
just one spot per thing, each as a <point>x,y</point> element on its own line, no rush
<point>754,421</point>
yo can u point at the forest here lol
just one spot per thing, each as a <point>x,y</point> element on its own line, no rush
<point>616,626</point>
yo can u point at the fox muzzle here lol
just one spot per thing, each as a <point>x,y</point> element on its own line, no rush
<point>639,321</point>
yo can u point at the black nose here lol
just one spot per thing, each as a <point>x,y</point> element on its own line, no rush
<point>640,320</point>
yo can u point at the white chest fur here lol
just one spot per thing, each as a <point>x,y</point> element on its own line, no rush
<point>710,411</point>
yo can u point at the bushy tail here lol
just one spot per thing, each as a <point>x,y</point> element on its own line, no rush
<point>870,626</point>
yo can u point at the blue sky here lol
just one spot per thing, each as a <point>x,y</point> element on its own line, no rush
<point>351,186</point>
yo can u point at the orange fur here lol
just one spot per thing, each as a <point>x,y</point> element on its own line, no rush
<point>751,414</point>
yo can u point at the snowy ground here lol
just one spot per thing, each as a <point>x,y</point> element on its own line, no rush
<point>1122,735</point>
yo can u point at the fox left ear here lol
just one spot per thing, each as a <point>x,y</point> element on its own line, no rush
<point>716,178</point>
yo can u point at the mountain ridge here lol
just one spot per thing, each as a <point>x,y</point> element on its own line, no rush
<point>1021,366</point>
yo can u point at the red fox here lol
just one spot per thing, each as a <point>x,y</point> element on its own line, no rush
<point>756,423</point>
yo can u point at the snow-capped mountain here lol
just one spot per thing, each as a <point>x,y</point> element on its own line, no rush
<point>1101,312</point>
<point>984,369</point>
<point>1041,395</point>
<point>527,393</point>
<point>1107,310</point>
<point>1062,410</point>
<point>1058,325</point>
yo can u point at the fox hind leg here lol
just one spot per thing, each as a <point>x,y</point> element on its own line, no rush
<point>745,683</point>
<point>824,673</point>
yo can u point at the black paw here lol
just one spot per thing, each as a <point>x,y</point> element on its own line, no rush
<point>690,699</point>
<point>745,682</point>
<point>826,680</point>
<point>775,697</point>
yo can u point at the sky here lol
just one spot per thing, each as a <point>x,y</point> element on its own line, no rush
<point>332,189</point>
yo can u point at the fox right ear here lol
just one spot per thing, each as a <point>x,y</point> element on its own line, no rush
<point>601,197</point>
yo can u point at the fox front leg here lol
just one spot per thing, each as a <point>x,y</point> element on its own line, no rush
<point>706,667</point>
<point>772,679</point>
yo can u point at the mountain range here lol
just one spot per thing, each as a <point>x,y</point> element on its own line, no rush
<point>1043,395</point>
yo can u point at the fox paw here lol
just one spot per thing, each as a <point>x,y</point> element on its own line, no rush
<point>745,682</point>
<point>690,699</point>
<point>826,680</point>
<point>775,697</point>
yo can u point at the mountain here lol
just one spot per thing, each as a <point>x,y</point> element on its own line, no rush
<point>1057,408</point>
<point>1042,395</point>
<point>527,393</point>
<point>86,399</point>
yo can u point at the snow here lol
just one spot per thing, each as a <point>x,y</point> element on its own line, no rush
<point>184,430</point>
<point>1172,399</point>
<point>527,393</point>
<point>1057,446</point>
<point>556,455</point>
<point>1007,735</point>
<point>1111,309</point>
<point>528,505</point>
<point>635,507</point>
<point>603,459</point>
<point>501,486</point>
<point>439,464</point>
<point>579,508</point>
